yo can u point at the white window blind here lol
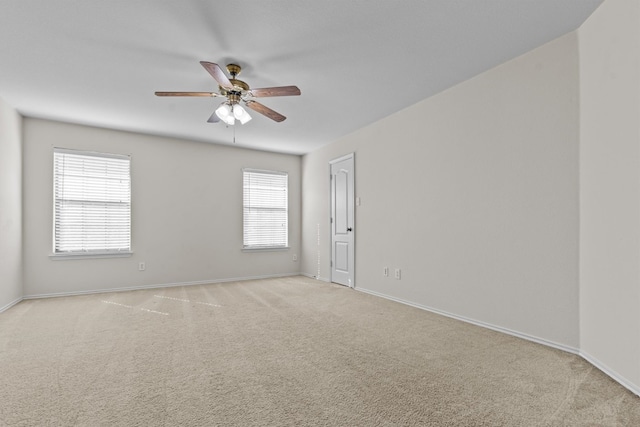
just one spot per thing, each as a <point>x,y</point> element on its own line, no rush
<point>92,202</point>
<point>265,201</point>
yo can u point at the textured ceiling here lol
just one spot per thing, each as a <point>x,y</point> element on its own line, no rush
<point>99,62</point>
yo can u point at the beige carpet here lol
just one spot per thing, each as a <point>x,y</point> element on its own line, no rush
<point>283,352</point>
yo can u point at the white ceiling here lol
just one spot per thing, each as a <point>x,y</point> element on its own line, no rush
<point>99,62</point>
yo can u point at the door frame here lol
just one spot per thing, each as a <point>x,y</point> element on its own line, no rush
<point>352,156</point>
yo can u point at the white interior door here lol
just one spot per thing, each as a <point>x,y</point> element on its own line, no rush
<point>342,221</point>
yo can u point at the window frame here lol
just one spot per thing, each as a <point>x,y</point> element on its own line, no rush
<point>257,248</point>
<point>89,253</point>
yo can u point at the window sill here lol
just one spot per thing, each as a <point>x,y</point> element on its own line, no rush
<point>89,255</point>
<point>266,249</point>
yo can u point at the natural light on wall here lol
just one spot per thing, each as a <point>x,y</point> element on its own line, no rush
<point>92,203</point>
<point>265,201</point>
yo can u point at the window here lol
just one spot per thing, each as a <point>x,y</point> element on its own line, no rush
<point>265,202</point>
<point>92,203</point>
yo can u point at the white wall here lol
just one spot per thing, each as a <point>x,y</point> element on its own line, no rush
<point>473,193</point>
<point>10,206</point>
<point>610,189</point>
<point>186,212</point>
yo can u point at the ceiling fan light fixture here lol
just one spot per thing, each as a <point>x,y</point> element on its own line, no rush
<point>238,111</point>
<point>230,120</point>
<point>241,114</point>
<point>245,118</point>
<point>223,111</point>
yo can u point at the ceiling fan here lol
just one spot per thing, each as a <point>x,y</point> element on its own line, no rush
<point>237,91</point>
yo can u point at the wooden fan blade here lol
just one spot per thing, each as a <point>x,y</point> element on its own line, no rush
<point>187,94</point>
<point>217,73</point>
<point>214,118</point>
<point>259,108</point>
<point>276,91</point>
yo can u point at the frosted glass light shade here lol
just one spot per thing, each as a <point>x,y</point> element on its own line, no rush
<point>241,114</point>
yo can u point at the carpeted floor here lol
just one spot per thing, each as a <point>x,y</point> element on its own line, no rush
<point>283,352</point>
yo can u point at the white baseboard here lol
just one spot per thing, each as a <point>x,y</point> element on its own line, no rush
<point>311,276</point>
<point>611,373</point>
<point>592,360</point>
<point>501,329</point>
<point>160,285</point>
<point>11,304</point>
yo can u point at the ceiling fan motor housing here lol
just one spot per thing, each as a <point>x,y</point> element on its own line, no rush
<point>238,85</point>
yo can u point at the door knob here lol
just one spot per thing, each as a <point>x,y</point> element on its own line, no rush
<point>349,229</point>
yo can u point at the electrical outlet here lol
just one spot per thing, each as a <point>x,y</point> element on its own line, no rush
<point>295,257</point>
<point>141,266</point>
<point>385,271</point>
<point>398,273</point>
